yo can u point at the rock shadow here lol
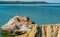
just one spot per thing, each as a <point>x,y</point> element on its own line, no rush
<point>39,32</point>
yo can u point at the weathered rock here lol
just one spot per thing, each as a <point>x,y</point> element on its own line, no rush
<point>31,33</point>
<point>58,35</point>
<point>43,31</point>
<point>17,23</point>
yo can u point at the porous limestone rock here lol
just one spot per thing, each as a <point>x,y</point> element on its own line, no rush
<point>16,23</point>
<point>31,33</point>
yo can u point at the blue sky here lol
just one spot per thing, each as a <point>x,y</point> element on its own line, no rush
<point>50,1</point>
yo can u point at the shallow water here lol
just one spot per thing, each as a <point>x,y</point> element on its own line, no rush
<point>40,13</point>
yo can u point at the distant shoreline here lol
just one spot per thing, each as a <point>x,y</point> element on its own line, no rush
<point>20,2</point>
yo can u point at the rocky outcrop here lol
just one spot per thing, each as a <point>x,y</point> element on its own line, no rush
<point>48,30</point>
<point>30,29</point>
<point>31,33</point>
<point>17,24</point>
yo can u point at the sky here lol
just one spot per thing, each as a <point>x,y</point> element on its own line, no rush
<point>49,1</point>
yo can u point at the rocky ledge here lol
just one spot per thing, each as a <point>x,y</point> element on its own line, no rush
<point>18,25</point>
<point>22,26</point>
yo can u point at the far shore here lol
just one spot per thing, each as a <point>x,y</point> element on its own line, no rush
<point>20,2</point>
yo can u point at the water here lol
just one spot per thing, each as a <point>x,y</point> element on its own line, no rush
<point>40,13</point>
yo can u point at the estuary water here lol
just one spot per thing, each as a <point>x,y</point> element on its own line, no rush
<point>39,13</point>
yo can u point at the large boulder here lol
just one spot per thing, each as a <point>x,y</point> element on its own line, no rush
<point>16,24</point>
